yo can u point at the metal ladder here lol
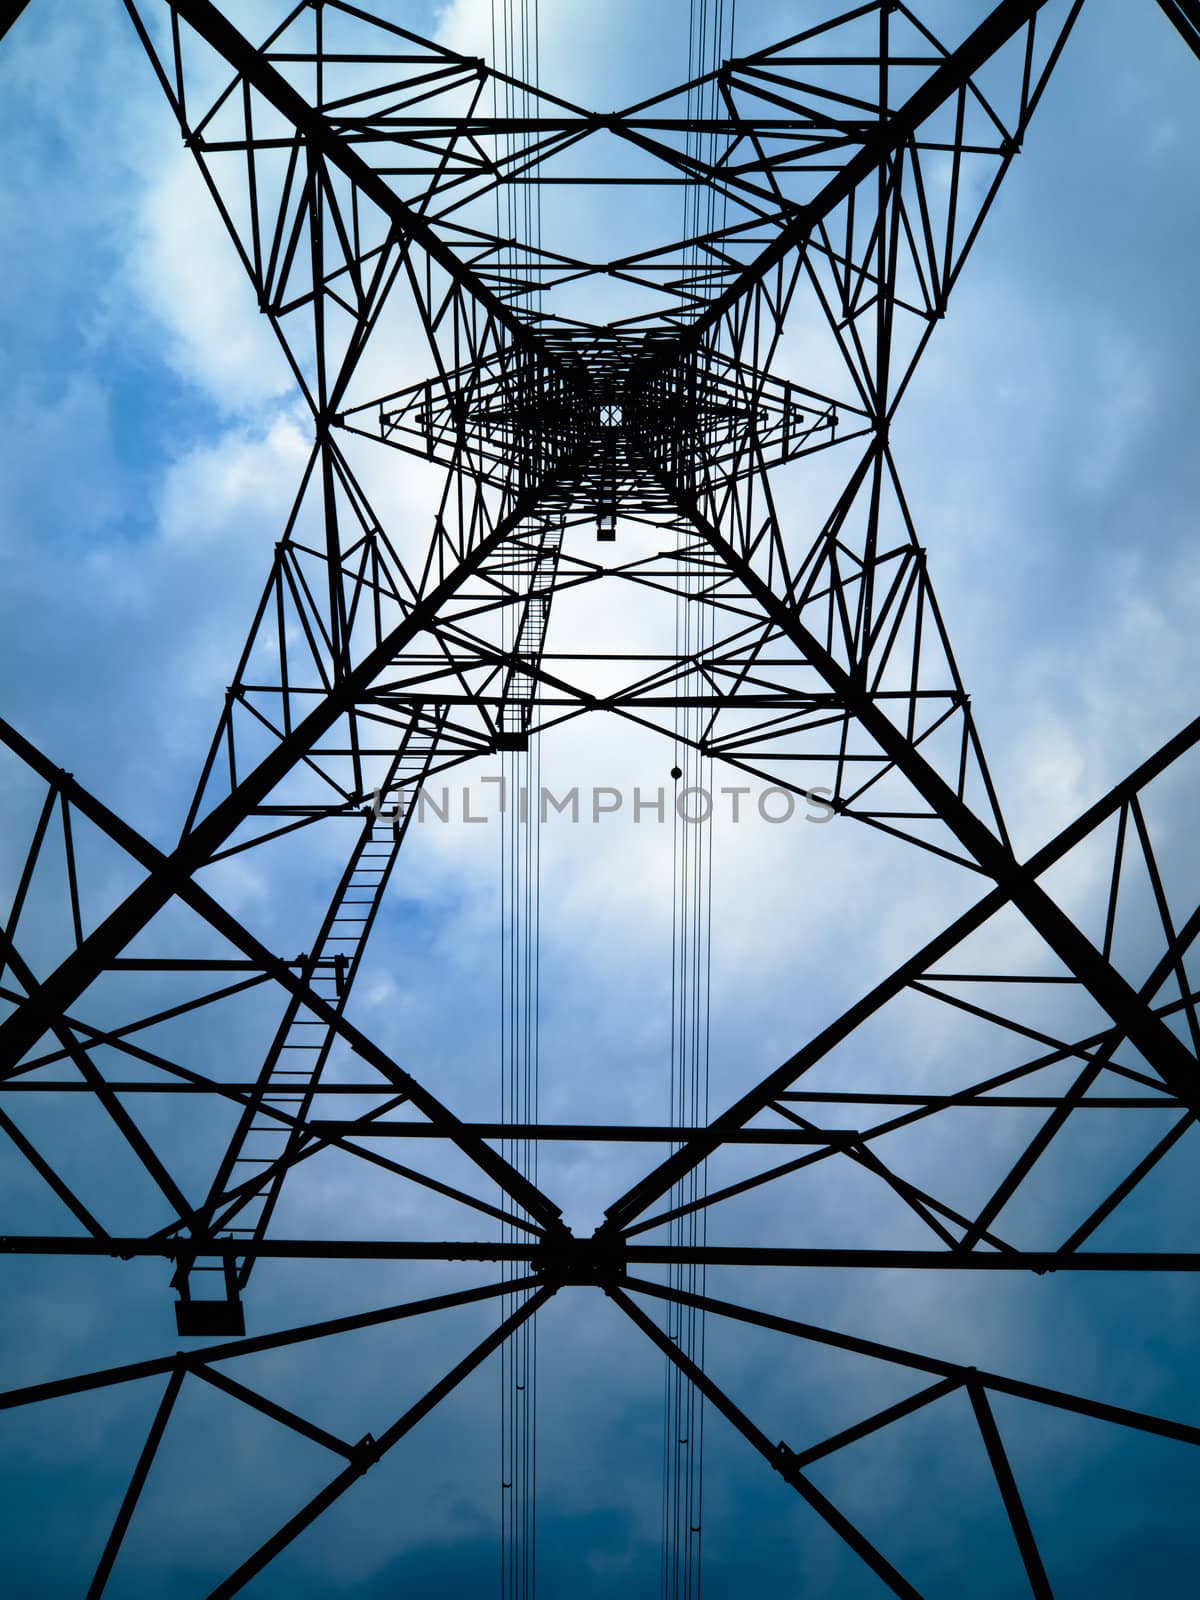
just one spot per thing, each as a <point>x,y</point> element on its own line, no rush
<point>516,712</point>
<point>300,1049</point>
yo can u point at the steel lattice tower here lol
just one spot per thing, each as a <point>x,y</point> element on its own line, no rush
<point>847,172</point>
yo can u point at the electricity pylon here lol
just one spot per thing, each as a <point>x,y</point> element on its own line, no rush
<point>846,173</point>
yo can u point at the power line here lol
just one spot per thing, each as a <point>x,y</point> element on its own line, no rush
<point>515,45</point>
<point>710,40</point>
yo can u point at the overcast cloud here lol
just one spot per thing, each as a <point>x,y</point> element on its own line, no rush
<point>153,445</point>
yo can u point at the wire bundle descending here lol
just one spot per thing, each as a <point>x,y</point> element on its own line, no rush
<point>691,965</point>
<point>515,39</point>
<point>519,983</point>
<point>710,40</point>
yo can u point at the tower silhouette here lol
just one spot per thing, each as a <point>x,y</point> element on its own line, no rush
<point>643,416</point>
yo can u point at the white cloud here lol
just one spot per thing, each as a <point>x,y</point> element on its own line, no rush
<point>188,277</point>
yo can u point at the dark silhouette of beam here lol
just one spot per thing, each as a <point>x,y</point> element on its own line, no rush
<point>250,63</point>
<point>946,80</point>
<point>1184,16</point>
<point>10,12</point>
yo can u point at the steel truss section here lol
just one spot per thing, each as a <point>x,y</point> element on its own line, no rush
<point>356,167</point>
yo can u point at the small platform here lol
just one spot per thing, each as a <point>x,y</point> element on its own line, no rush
<point>208,1319</point>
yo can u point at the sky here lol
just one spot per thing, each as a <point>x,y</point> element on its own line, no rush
<point>153,443</point>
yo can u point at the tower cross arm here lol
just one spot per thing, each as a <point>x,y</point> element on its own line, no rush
<point>255,69</point>
<point>891,134</point>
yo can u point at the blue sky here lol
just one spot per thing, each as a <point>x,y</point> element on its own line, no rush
<point>1047,448</point>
